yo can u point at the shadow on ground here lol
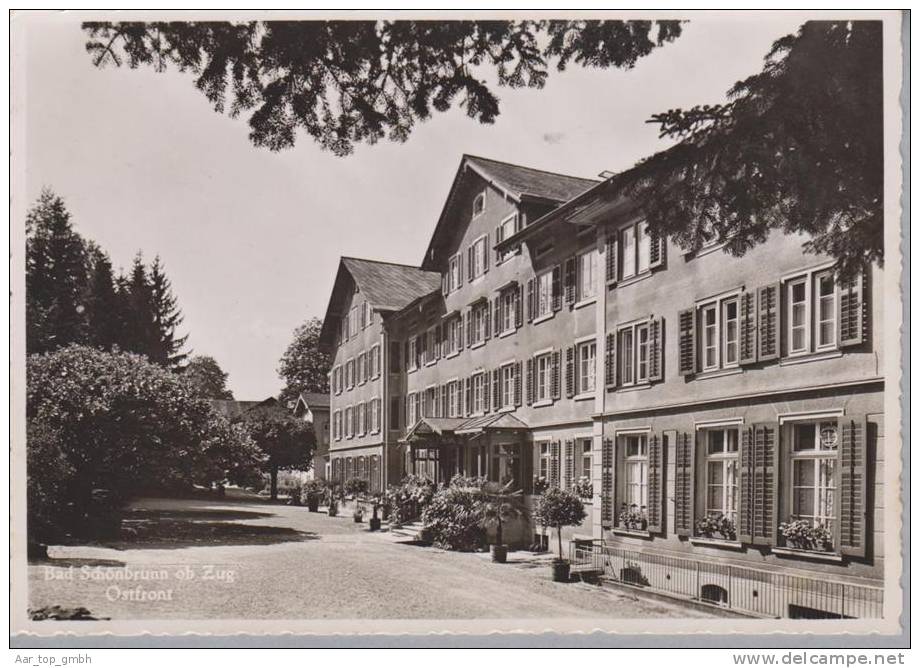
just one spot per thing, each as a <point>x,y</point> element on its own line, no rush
<point>173,529</point>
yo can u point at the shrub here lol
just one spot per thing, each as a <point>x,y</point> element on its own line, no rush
<point>407,500</point>
<point>453,520</point>
<point>312,488</point>
<point>583,488</point>
<point>558,508</point>
<point>356,487</point>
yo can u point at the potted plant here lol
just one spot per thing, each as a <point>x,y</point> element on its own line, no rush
<point>583,488</point>
<point>632,518</point>
<point>500,505</point>
<point>803,535</point>
<point>312,492</point>
<point>540,484</point>
<point>716,523</point>
<point>558,508</point>
<point>376,503</point>
<point>333,508</point>
<point>358,515</point>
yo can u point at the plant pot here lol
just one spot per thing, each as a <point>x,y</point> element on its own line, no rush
<point>375,524</point>
<point>499,553</point>
<point>561,570</point>
<point>313,504</point>
<point>358,519</point>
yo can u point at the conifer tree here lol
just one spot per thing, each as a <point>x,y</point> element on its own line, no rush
<point>103,306</point>
<point>166,317</point>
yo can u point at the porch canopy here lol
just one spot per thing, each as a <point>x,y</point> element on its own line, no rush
<point>490,446</point>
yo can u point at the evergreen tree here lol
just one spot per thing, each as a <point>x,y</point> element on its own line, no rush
<point>103,306</point>
<point>166,317</point>
<point>138,314</point>
<point>56,276</point>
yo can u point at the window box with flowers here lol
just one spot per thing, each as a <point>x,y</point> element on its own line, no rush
<point>583,488</point>
<point>716,529</point>
<point>632,520</point>
<point>803,538</point>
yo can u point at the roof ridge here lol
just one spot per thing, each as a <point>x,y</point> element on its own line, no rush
<point>395,264</point>
<point>533,169</point>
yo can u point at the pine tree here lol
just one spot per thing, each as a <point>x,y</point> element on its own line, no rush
<point>56,276</point>
<point>138,310</point>
<point>103,306</point>
<point>166,318</point>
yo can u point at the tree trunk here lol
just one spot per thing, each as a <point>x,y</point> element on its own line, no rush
<point>559,535</point>
<point>274,483</point>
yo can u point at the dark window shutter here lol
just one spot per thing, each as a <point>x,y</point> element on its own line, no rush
<point>852,486</point>
<point>570,281</point>
<point>656,350</point>
<point>485,392</point>
<point>768,322</point>
<point>530,297</point>
<point>460,332</point>
<point>569,463</point>
<point>610,258</point>
<point>459,269</point>
<point>468,395</point>
<point>758,483</point>
<point>657,249</point>
<point>851,312</point>
<point>610,361</point>
<point>519,307</point>
<point>529,381</point>
<point>485,256</point>
<point>498,240</point>
<point>435,351</point>
<point>445,400</point>
<point>686,341</point>
<point>655,482</point>
<point>684,460</point>
<point>496,389</point>
<point>748,333</point>
<point>469,263</point>
<point>487,317</point>
<point>557,288</point>
<point>570,372</point>
<point>444,285</point>
<point>556,389</point>
<point>554,464</point>
<point>517,383</point>
<point>497,315</point>
<point>607,510</point>
<point>468,317</point>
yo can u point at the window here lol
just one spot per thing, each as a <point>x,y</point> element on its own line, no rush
<point>353,322</point>
<point>375,416</point>
<point>635,466</point>
<point>479,381</point>
<point>506,230</point>
<point>478,258</point>
<point>814,472</point>
<point>797,304</point>
<point>479,204</point>
<point>586,355</point>
<point>478,322</point>
<point>545,459</point>
<point>584,449</point>
<point>431,349</point>
<point>826,311</point>
<point>361,410</point>
<point>337,379</point>
<point>507,386</point>
<point>507,309</point>
<point>362,368</point>
<point>453,399</point>
<point>429,407</point>
<point>587,275</point>
<point>453,274</point>
<point>453,335</point>
<point>337,425</point>
<point>350,373</point>
<point>634,354</point>
<point>635,248</point>
<point>719,334</point>
<point>544,369</point>
<point>721,452</point>
<point>349,422</point>
<point>375,361</point>
<point>544,297</point>
<point>411,409</point>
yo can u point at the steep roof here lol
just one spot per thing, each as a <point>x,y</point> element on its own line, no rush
<point>518,182</point>
<point>231,408</point>
<point>522,182</point>
<point>314,399</point>
<point>387,286</point>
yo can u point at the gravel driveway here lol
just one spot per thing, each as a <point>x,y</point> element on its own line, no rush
<point>247,559</point>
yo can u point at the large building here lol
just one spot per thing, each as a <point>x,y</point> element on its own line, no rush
<point>724,414</point>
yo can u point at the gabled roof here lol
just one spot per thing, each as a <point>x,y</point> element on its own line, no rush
<point>230,408</point>
<point>387,286</point>
<point>523,182</point>
<point>314,399</point>
<point>517,182</point>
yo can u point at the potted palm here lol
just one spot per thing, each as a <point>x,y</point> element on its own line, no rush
<point>376,503</point>
<point>312,493</point>
<point>500,505</point>
<point>558,508</point>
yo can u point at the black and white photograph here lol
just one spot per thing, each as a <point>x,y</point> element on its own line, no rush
<point>456,322</point>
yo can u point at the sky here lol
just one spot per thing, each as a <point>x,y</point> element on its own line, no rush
<point>251,239</point>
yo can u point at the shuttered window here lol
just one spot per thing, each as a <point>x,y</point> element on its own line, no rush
<point>570,372</point>
<point>759,462</point>
<point>569,463</point>
<point>607,498</point>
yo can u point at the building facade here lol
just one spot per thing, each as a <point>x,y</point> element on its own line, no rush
<point>313,408</point>
<point>711,409</point>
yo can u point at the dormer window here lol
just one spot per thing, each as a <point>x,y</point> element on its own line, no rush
<point>479,204</point>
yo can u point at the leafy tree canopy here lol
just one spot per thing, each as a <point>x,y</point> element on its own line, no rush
<point>304,365</point>
<point>287,443</point>
<point>346,82</point>
<point>206,378</point>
